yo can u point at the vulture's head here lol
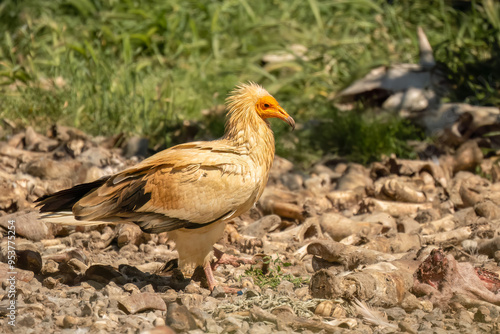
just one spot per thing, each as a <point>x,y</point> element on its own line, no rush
<point>250,100</point>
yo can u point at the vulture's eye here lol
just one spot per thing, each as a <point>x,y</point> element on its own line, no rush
<point>266,105</point>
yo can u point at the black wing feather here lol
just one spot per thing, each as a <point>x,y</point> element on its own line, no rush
<point>65,199</point>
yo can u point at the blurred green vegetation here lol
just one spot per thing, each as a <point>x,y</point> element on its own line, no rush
<point>144,67</point>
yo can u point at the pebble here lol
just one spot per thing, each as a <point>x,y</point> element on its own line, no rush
<point>192,287</point>
<point>69,321</point>
<point>406,327</point>
<point>261,328</point>
<point>132,288</point>
<point>190,300</point>
<point>411,302</point>
<point>231,324</point>
<point>210,304</point>
<point>218,292</point>
<point>85,309</point>
<point>436,314</point>
<point>419,314</point>
<point>112,290</point>
<point>26,321</point>
<point>395,313</point>
<point>179,318</point>
<point>159,330</point>
<point>427,305</point>
<point>102,325</point>
<point>424,325</point>
<point>169,296</point>
<point>292,181</point>
<point>131,248</point>
<point>464,318</point>
<point>148,288</point>
<point>286,288</point>
<point>49,282</point>
<point>251,293</point>
<point>483,314</point>
<point>158,322</point>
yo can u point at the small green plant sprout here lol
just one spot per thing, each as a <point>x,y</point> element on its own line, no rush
<point>272,274</point>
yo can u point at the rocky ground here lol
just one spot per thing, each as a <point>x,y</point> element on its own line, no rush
<point>399,246</point>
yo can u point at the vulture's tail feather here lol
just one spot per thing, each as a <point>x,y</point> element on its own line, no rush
<point>65,199</point>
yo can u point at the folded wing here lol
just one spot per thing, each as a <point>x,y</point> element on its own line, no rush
<point>189,186</point>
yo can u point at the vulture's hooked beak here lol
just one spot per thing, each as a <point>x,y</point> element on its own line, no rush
<point>287,118</point>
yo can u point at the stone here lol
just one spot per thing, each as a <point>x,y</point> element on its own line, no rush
<point>395,313</point>
<point>179,318</point>
<point>483,314</point>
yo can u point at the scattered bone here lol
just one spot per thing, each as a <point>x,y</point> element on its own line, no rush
<point>280,166</point>
<point>292,321</point>
<point>66,133</point>
<point>399,243</point>
<point>67,254</point>
<point>394,209</point>
<point>408,225</point>
<point>354,176</point>
<point>128,234</point>
<point>343,199</point>
<point>388,223</point>
<point>487,209</point>
<point>247,243</point>
<point>9,151</point>
<point>444,224</point>
<point>37,142</point>
<point>455,236</point>
<point>8,271</point>
<point>446,120</point>
<point>415,167</point>
<point>338,227</point>
<point>378,287</point>
<point>50,169</point>
<point>27,224</point>
<point>309,229</point>
<point>141,302</point>
<point>348,256</point>
<point>489,247</point>
<point>400,190</point>
<point>281,203</point>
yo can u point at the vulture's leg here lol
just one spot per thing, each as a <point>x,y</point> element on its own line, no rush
<point>223,258</point>
<point>211,281</point>
<point>210,276</point>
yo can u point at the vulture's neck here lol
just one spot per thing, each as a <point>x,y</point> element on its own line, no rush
<point>251,135</point>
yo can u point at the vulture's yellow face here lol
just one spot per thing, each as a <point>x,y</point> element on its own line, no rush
<point>268,107</point>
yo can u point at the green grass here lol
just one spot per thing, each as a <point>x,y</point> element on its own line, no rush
<point>143,67</point>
